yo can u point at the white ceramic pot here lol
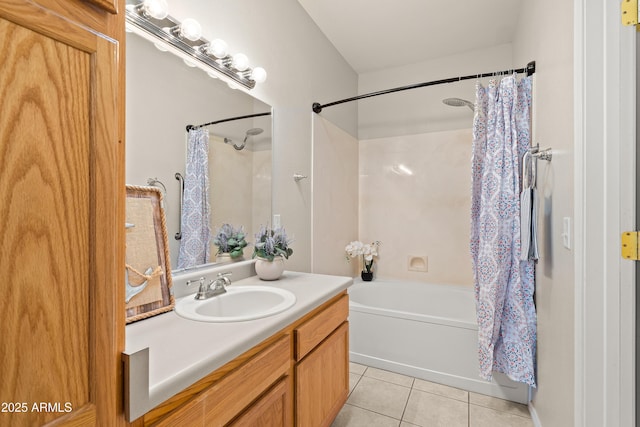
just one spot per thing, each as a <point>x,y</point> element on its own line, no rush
<point>225,258</point>
<point>269,270</point>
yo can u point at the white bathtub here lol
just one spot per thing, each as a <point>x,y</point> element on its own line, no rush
<point>423,330</point>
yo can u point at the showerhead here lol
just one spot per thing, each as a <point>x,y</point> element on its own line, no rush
<point>252,132</point>
<point>457,102</point>
<point>255,131</point>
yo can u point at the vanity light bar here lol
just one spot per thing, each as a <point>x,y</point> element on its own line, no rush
<point>146,27</point>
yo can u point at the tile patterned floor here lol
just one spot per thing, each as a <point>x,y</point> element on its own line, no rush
<point>380,398</point>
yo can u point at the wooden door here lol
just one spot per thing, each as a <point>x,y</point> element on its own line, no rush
<point>322,380</point>
<point>61,309</point>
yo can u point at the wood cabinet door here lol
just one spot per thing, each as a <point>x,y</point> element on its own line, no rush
<point>322,380</point>
<point>274,409</point>
<point>61,309</point>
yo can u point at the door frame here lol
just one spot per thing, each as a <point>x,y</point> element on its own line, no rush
<point>604,204</point>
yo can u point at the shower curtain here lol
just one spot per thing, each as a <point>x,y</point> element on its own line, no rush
<point>195,224</point>
<point>504,284</point>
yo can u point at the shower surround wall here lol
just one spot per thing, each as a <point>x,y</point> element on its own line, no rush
<point>415,159</point>
<point>415,199</point>
<point>335,198</point>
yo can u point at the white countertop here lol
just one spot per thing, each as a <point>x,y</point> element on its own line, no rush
<point>183,351</point>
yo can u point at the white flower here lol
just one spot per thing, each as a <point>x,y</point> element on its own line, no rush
<point>367,251</point>
<point>354,249</point>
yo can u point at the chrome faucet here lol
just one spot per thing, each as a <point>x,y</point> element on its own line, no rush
<point>213,288</point>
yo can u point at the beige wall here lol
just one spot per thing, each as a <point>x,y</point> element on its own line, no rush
<point>335,198</point>
<point>547,38</point>
<point>415,199</point>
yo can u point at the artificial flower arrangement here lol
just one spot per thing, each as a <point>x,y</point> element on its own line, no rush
<point>368,252</point>
<point>272,243</point>
<point>230,240</point>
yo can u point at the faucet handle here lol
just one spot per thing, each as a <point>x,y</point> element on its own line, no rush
<point>200,281</point>
<point>224,278</point>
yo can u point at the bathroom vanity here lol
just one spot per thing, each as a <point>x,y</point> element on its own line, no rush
<point>285,369</point>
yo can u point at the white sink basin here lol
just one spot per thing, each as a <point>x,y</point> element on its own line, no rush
<point>237,304</point>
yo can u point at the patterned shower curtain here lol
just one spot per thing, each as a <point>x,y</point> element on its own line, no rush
<point>504,284</point>
<point>195,225</point>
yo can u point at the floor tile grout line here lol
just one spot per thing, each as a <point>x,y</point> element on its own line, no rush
<point>375,412</point>
<point>499,410</point>
<point>380,413</point>
<point>354,386</point>
<point>406,403</point>
<point>388,382</point>
<point>442,395</point>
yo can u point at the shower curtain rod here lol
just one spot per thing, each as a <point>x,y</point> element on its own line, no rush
<point>529,69</point>
<point>249,116</point>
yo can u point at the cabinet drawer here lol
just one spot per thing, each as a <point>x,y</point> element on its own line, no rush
<point>313,331</point>
<point>189,415</point>
<point>229,396</point>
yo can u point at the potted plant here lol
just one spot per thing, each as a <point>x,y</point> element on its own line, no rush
<point>270,250</point>
<point>368,252</point>
<point>230,242</point>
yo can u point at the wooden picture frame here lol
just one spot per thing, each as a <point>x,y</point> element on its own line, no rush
<point>147,263</point>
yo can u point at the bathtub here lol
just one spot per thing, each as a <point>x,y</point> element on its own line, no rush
<point>427,331</point>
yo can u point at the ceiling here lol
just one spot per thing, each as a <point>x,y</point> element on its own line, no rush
<point>379,34</point>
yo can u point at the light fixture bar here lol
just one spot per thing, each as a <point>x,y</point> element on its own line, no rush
<point>185,46</point>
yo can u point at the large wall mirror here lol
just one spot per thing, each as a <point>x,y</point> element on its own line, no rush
<point>164,95</point>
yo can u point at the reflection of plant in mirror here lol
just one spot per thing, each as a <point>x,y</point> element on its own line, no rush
<point>230,240</point>
<point>272,243</point>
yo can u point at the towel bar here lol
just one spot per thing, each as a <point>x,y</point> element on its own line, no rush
<point>180,178</point>
<point>541,154</point>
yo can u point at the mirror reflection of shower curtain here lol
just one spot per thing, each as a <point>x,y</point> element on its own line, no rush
<point>504,284</point>
<point>195,223</point>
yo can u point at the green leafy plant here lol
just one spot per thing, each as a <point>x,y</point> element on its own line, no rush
<point>271,243</point>
<point>230,240</point>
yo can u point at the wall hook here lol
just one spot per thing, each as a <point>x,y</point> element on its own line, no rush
<point>299,177</point>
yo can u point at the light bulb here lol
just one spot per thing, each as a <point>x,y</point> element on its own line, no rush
<point>259,75</point>
<point>240,61</point>
<point>190,29</point>
<point>161,47</point>
<point>218,48</point>
<point>156,9</point>
<point>189,63</point>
